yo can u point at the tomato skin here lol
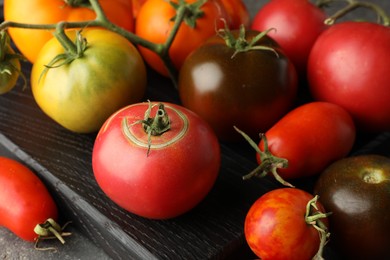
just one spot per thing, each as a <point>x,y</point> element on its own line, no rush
<point>297,25</point>
<point>82,95</point>
<point>153,24</point>
<point>24,200</point>
<point>167,182</point>
<point>251,91</point>
<point>348,66</point>
<point>275,226</point>
<point>237,12</point>
<point>9,72</point>
<point>30,41</point>
<point>310,137</point>
<point>357,190</point>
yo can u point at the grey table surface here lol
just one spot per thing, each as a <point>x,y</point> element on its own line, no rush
<point>78,246</point>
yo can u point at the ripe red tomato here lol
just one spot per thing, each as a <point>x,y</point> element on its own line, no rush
<point>237,12</point>
<point>30,41</point>
<point>25,202</point>
<point>251,90</point>
<point>348,66</point>
<point>297,25</point>
<point>169,179</point>
<point>276,226</point>
<point>357,192</point>
<point>310,137</point>
<point>154,23</point>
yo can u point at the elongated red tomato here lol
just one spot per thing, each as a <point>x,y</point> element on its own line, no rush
<point>311,137</point>
<point>158,175</point>
<point>25,202</point>
<point>277,226</point>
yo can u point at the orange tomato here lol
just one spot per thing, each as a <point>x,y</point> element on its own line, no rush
<point>237,12</point>
<point>154,23</point>
<point>29,41</point>
<point>136,6</point>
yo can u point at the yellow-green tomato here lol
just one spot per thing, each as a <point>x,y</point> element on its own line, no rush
<point>81,95</point>
<point>9,71</point>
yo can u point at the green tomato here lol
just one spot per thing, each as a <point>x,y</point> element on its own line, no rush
<point>82,94</point>
<point>9,70</point>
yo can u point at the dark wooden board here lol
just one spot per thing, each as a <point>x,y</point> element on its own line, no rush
<point>213,230</point>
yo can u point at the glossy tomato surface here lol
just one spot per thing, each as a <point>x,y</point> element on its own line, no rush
<point>251,90</point>
<point>81,95</point>
<point>297,25</point>
<point>311,137</point>
<point>348,66</point>
<point>237,12</point>
<point>275,226</point>
<point>30,41</point>
<point>357,191</point>
<point>178,172</point>
<point>24,200</point>
<point>154,23</point>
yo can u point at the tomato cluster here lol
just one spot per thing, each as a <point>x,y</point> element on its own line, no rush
<point>235,78</point>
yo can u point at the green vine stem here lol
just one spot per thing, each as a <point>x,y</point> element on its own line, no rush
<point>183,10</point>
<point>351,5</point>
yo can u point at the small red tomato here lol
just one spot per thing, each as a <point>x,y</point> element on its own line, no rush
<point>157,164</point>
<point>237,12</point>
<point>348,66</point>
<point>278,225</point>
<point>297,25</point>
<point>25,202</point>
<point>305,141</point>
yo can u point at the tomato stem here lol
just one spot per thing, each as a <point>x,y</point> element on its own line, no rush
<point>269,162</point>
<point>313,217</point>
<point>155,126</point>
<point>352,5</point>
<point>50,229</point>
<point>240,44</point>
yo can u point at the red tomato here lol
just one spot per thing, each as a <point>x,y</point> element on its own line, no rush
<point>174,176</point>
<point>348,66</point>
<point>24,200</point>
<point>136,6</point>
<point>276,226</point>
<point>237,12</point>
<point>251,90</point>
<point>154,23</point>
<point>310,137</point>
<point>297,25</point>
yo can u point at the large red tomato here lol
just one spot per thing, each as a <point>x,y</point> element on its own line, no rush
<point>278,225</point>
<point>154,23</point>
<point>348,66</point>
<point>297,24</point>
<point>30,41</point>
<point>161,175</point>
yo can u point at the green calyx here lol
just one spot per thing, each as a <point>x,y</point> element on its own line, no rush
<point>241,44</point>
<point>155,126</point>
<point>50,229</point>
<point>313,217</point>
<point>269,163</point>
<point>193,11</point>
<point>73,50</point>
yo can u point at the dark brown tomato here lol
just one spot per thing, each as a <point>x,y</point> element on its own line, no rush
<point>357,191</point>
<point>250,90</point>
